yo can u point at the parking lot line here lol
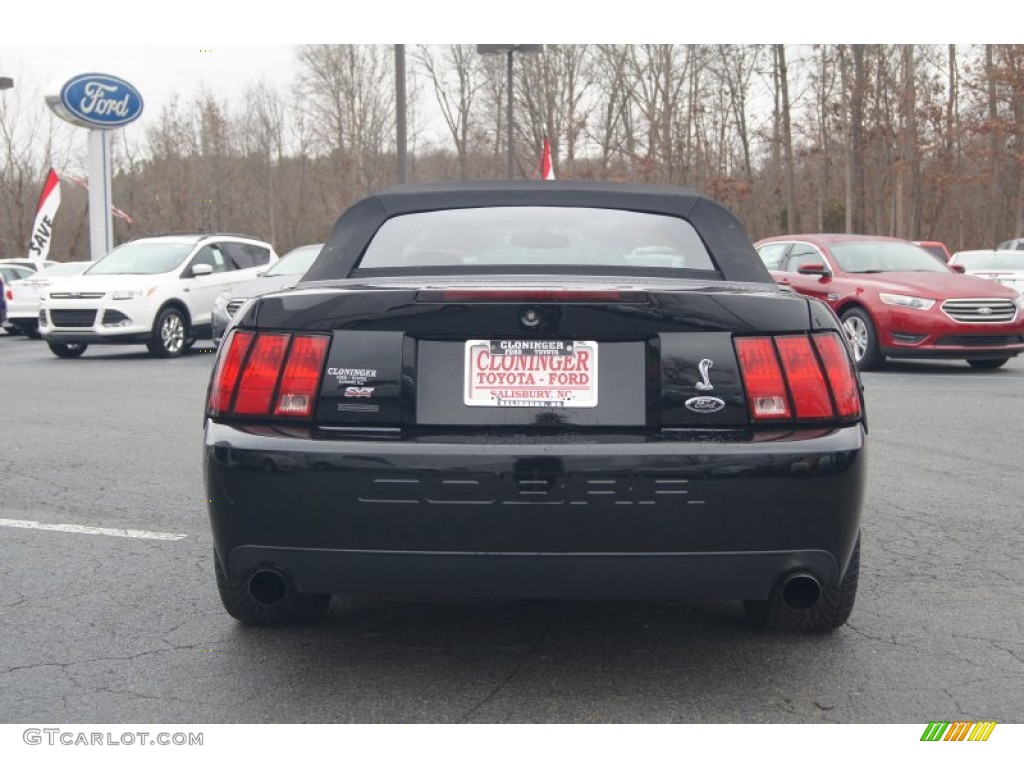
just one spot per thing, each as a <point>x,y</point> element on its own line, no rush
<point>122,532</point>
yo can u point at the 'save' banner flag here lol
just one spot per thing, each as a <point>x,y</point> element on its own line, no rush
<point>46,211</point>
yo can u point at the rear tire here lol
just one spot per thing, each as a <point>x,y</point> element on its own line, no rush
<point>860,330</point>
<point>67,349</point>
<point>987,364</point>
<point>830,612</point>
<point>295,608</point>
<point>170,332</point>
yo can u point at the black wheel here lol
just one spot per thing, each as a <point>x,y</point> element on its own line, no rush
<point>170,332</point>
<point>987,364</point>
<point>67,349</point>
<point>860,330</point>
<point>12,330</point>
<point>294,608</point>
<point>830,612</point>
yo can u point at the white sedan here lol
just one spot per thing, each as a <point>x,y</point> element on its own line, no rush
<point>1006,267</point>
<point>23,296</point>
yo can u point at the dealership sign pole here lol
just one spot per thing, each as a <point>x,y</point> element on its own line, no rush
<point>100,103</point>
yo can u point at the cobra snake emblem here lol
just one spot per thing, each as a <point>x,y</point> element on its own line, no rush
<point>705,366</point>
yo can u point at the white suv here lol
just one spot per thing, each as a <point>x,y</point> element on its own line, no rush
<point>157,291</point>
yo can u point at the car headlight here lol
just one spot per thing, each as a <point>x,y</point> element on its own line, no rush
<point>911,302</point>
<point>134,294</point>
<point>1019,301</point>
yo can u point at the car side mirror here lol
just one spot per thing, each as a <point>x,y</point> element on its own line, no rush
<point>814,268</point>
<point>201,269</point>
<point>958,268</point>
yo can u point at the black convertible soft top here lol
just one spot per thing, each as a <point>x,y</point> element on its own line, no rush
<point>720,230</point>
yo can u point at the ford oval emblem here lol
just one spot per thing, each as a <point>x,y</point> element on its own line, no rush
<point>100,101</point>
<point>705,404</point>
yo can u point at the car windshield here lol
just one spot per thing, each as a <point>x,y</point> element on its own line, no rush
<point>142,258</point>
<point>295,262</point>
<point>524,236</point>
<point>991,260</point>
<point>884,256</point>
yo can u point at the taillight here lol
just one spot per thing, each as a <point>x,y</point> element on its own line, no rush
<point>268,375</point>
<point>301,377</point>
<point>806,381</point>
<point>260,375</point>
<point>840,374</point>
<point>225,376</point>
<point>766,389</point>
<point>809,376</point>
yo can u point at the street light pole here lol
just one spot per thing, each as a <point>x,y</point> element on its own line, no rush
<point>510,81</point>
<point>509,50</point>
<point>400,127</point>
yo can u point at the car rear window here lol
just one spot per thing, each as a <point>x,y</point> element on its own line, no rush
<point>992,261</point>
<point>524,236</point>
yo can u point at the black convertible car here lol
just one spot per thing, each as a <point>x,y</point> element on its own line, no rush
<point>536,390</point>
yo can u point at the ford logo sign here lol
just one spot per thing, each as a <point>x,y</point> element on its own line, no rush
<point>705,404</point>
<point>97,101</point>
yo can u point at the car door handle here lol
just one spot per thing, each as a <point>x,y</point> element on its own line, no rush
<point>784,281</point>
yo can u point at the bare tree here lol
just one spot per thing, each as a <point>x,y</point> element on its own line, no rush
<point>350,97</point>
<point>792,218</point>
<point>456,76</point>
<point>551,97</point>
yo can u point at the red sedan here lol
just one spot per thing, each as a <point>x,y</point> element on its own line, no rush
<point>896,300</point>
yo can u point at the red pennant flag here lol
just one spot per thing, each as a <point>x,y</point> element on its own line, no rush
<point>547,170</point>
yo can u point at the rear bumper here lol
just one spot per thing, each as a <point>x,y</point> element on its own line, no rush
<point>648,519</point>
<point>608,576</point>
<point>24,324</point>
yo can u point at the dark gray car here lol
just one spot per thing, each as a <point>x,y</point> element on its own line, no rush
<point>284,274</point>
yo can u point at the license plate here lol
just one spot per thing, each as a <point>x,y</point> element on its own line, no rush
<point>531,373</point>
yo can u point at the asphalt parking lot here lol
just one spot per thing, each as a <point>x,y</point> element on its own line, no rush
<point>101,628</point>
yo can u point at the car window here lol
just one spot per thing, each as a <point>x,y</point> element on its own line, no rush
<point>295,262</point>
<point>772,254</point>
<point>523,236</point>
<point>15,273</point>
<point>801,254</point>
<point>238,255</point>
<point>213,255</point>
<point>257,254</point>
